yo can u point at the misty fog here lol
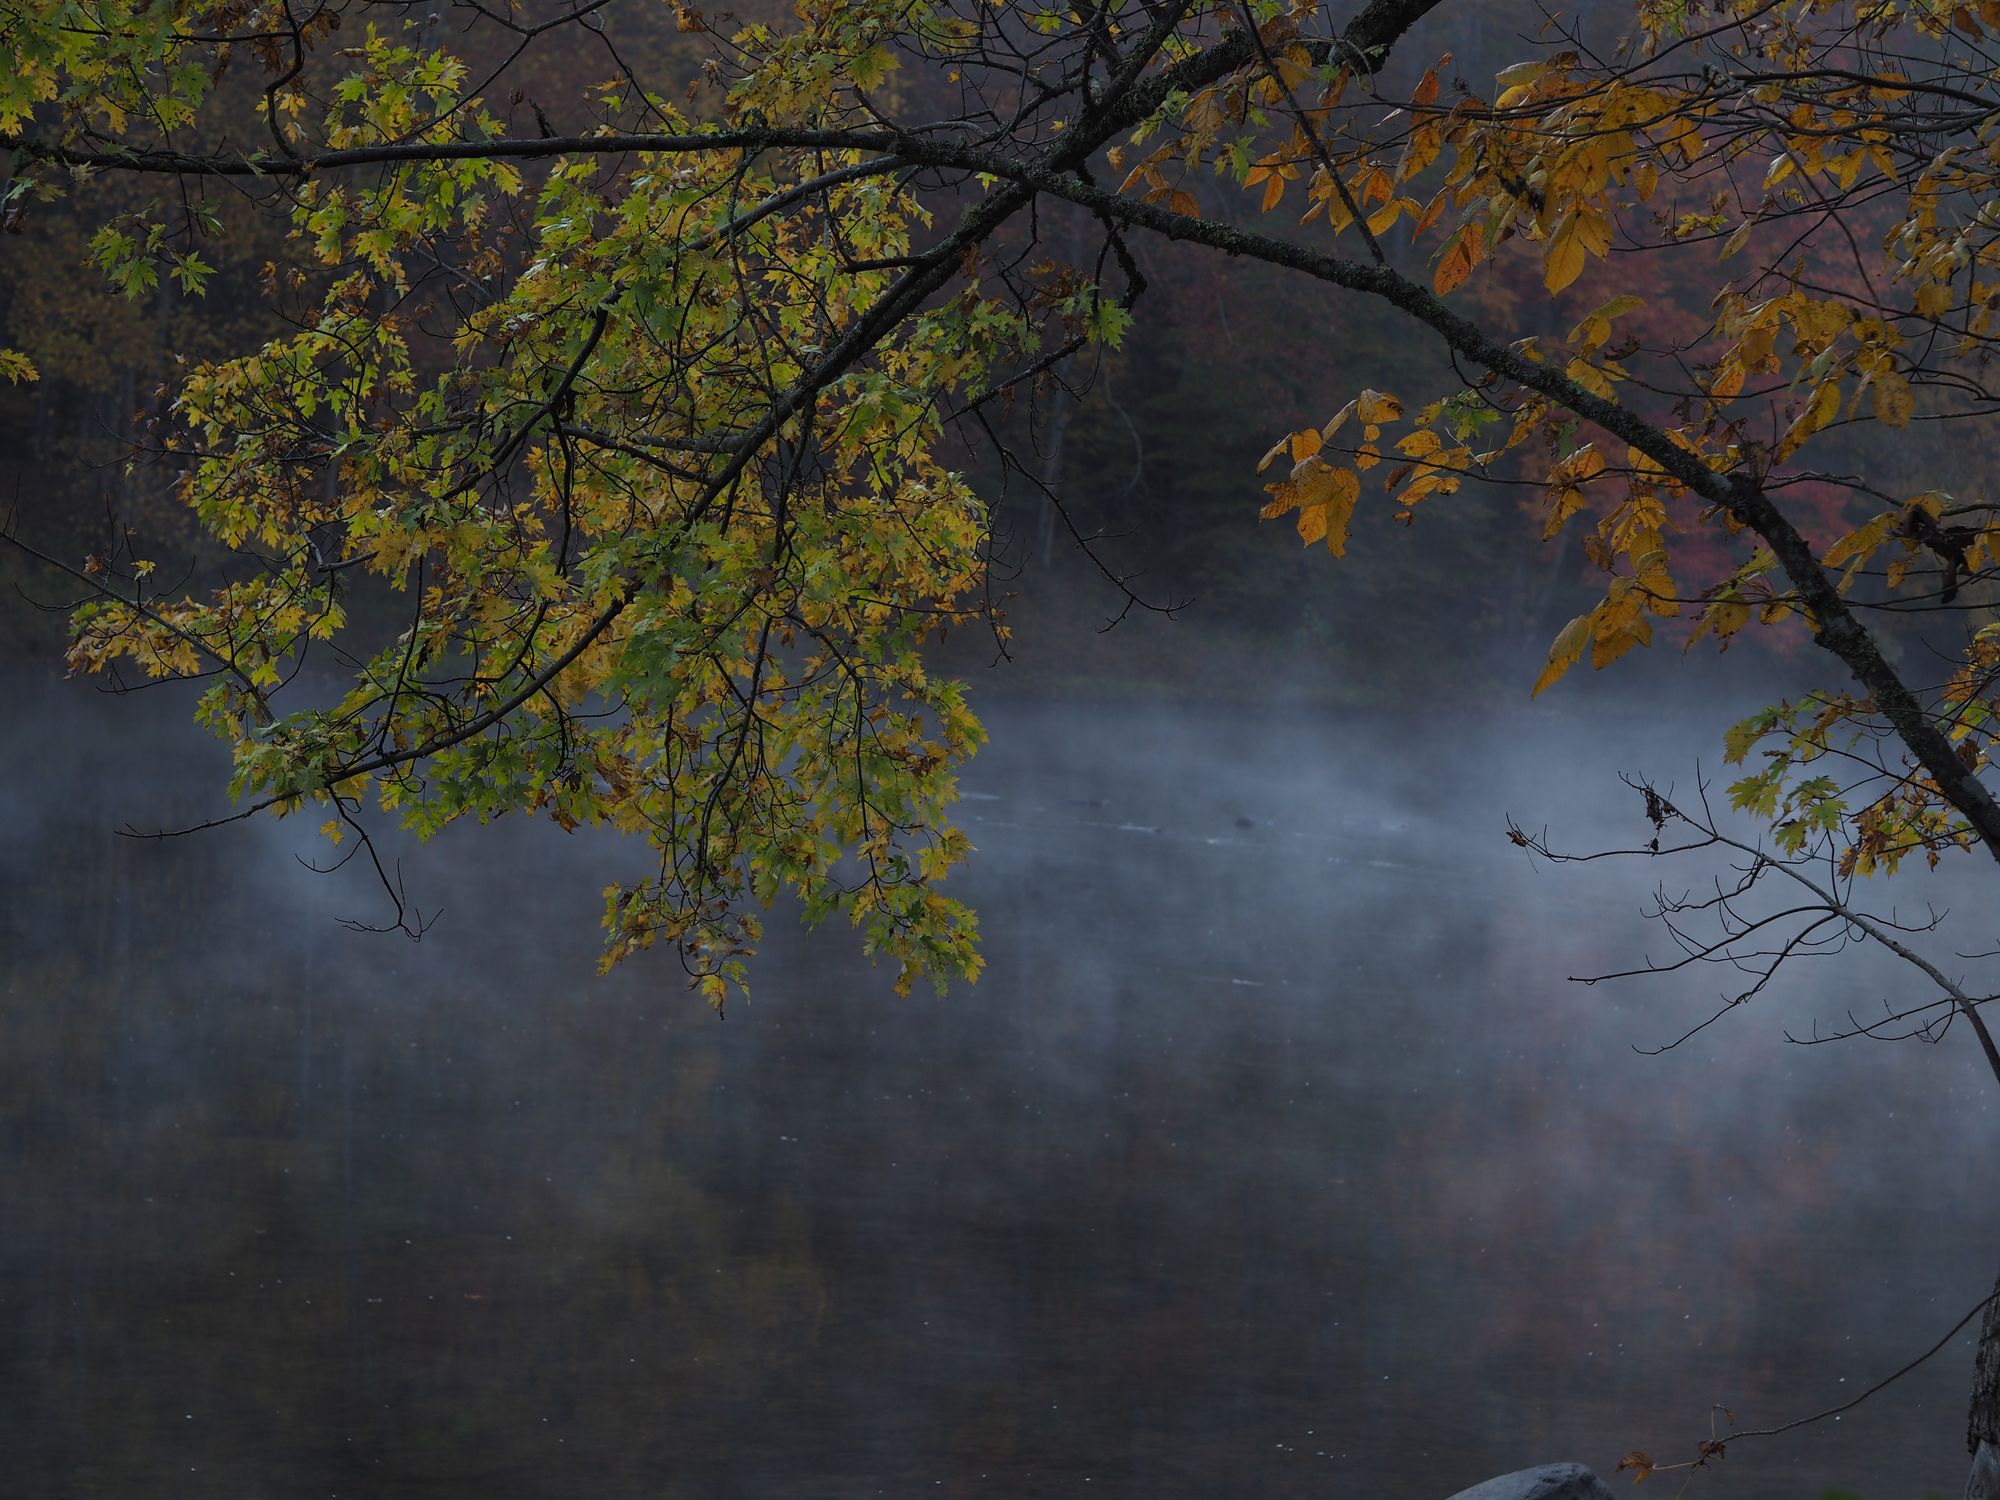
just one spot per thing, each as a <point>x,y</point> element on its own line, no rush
<point>1273,1155</point>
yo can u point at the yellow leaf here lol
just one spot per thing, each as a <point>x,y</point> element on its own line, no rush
<point>1894,402</point>
<point>1722,619</point>
<point>1821,407</point>
<point>1618,624</point>
<point>1933,299</point>
<point>1565,652</point>
<point>1589,377</point>
<point>1860,543</point>
<point>1420,150</point>
<point>1578,233</point>
<point>1513,85</point>
<point>1519,73</point>
<point>1324,497</point>
<point>1340,510</point>
<point>1305,444</point>
<point>1377,406</point>
<point>1328,197</point>
<point>1657,586</point>
<point>1585,464</point>
<point>1595,232</point>
<point>1596,325</point>
<point>1817,324</point>
<point>1614,643</point>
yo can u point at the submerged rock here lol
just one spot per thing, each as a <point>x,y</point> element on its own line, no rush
<point>1549,1482</point>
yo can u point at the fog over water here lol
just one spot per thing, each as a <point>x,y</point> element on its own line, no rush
<point>1273,1156</point>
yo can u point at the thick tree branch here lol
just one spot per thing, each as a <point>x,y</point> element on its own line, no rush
<point>1127,101</point>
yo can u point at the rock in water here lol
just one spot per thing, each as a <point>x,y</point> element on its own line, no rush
<point>1984,1484</point>
<point>1549,1482</point>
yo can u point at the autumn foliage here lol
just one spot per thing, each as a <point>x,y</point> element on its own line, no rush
<point>617,462</point>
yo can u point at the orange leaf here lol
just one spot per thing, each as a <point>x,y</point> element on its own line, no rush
<point>1462,252</point>
<point>1636,1460</point>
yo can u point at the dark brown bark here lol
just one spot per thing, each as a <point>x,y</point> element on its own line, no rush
<point>1983,1420</point>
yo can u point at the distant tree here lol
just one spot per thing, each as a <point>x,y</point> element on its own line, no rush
<point>638,401</point>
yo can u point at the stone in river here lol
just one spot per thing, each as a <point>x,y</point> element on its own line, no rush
<point>1549,1482</point>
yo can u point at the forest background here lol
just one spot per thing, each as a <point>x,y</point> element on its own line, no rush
<point>1150,451</point>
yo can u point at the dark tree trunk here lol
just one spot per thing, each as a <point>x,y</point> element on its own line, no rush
<point>1982,1430</point>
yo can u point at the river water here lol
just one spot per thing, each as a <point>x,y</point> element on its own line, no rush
<point>1274,1155</point>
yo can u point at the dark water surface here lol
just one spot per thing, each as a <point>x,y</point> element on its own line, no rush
<point>1273,1156</point>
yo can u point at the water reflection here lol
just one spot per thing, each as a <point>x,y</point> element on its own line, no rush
<point>1272,1158</point>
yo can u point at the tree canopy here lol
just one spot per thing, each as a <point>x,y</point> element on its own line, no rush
<point>610,460</point>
